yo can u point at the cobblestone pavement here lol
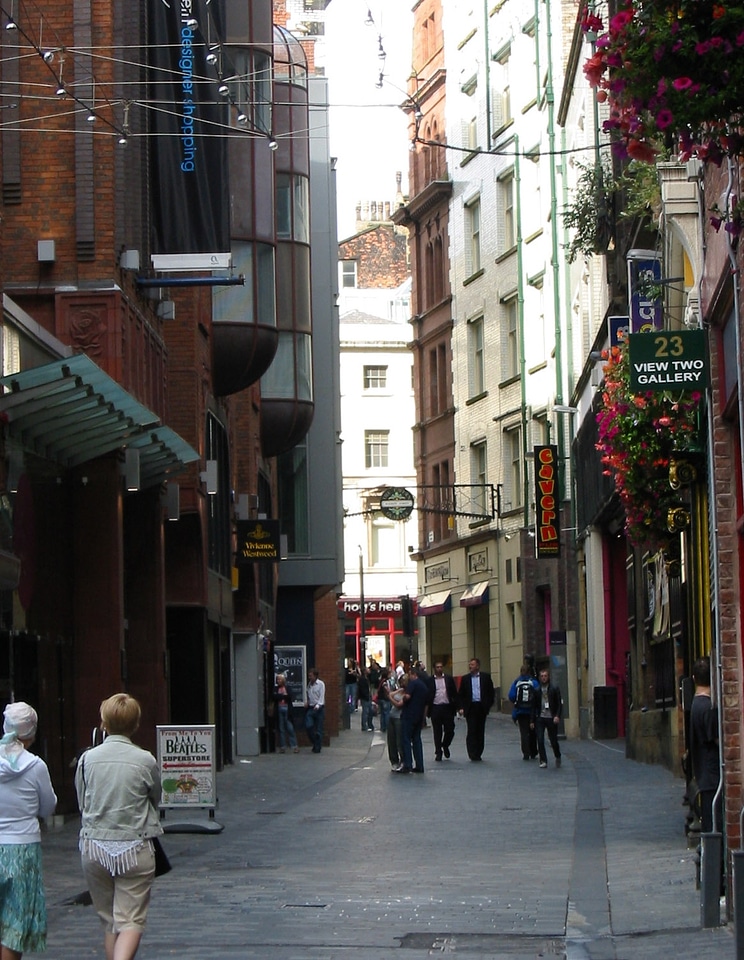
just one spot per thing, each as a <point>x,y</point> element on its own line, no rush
<point>331,856</point>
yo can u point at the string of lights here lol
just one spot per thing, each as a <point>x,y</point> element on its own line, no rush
<point>101,99</point>
<point>108,98</point>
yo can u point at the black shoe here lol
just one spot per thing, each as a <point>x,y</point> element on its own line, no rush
<point>445,751</point>
<point>417,770</point>
<point>403,770</point>
<point>438,757</point>
<point>476,759</point>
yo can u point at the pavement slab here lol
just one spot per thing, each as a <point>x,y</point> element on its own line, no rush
<point>331,856</point>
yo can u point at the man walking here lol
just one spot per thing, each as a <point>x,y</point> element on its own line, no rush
<point>547,707</point>
<point>442,709</point>
<point>704,742</point>
<point>521,694</point>
<point>476,699</point>
<point>315,709</point>
<point>411,720</point>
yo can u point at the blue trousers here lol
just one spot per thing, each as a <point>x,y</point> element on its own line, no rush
<point>413,751</point>
<point>314,726</point>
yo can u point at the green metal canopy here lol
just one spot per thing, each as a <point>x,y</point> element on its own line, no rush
<point>70,411</point>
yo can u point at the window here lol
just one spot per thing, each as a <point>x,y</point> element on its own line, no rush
<point>348,273</point>
<point>513,458</point>
<point>478,465</point>
<point>471,140</point>
<point>383,543</point>
<point>511,337</point>
<point>375,378</point>
<point>475,356</point>
<point>502,109</point>
<point>506,198</point>
<point>376,448</point>
<point>513,622</point>
<point>473,226</point>
<point>438,384</point>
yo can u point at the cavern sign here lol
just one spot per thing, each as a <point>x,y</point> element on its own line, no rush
<point>547,519</point>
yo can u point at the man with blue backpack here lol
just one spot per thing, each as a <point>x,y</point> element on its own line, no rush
<point>521,695</point>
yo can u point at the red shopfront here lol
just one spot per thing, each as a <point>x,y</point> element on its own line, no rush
<point>389,632</point>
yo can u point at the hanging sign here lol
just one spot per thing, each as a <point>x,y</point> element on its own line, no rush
<point>668,360</point>
<point>547,520</point>
<point>644,277</point>
<point>258,541</point>
<point>396,503</point>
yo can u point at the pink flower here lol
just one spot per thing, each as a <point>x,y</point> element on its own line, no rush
<point>682,83</point>
<point>640,150</point>
<point>591,23</point>
<point>594,68</point>
<point>620,21</point>
<point>664,119</point>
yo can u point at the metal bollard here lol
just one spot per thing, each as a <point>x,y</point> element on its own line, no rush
<point>710,879</point>
<point>738,900</point>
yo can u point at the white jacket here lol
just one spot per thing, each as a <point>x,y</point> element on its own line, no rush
<point>26,793</point>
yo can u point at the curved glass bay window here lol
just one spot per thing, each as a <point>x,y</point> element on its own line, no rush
<point>286,388</point>
<point>244,317</point>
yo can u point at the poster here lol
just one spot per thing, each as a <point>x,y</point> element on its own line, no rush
<point>292,662</point>
<point>188,163</point>
<point>187,766</point>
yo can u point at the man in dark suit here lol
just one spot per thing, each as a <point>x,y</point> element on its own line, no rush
<point>476,699</point>
<point>442,709</point>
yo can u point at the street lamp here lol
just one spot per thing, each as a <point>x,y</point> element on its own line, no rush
<point>362,611</point>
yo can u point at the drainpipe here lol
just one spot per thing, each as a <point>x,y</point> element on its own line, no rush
<point>520,322</point>
<point>555,253</point>
<point>487,56</point>
<point>738,855</point>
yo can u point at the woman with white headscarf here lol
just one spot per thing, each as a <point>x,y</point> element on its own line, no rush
<point>26,794</point>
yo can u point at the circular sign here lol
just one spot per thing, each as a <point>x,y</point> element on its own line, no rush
<point>396,503</point>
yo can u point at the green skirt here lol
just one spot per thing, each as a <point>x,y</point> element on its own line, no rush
<point>23,920</point>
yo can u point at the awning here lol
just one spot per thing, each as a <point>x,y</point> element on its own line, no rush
<point>70,411</point>
<point>475,595</point>
<point>434,603</point>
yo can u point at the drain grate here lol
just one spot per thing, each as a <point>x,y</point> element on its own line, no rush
<point>339,819</point>
<point>304,906</point>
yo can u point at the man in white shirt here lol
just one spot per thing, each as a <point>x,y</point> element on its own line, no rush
<point>315,709</point>
<point>442,709</point>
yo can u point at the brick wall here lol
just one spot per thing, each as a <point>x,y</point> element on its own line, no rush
<point>328,653</point>
<point>381,254</point>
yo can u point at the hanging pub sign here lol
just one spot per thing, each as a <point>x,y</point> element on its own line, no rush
<point>258,541</point>
<point>547,520</point>
<point>668,360</point>
<point>396,503</point>
<point>644,278</point>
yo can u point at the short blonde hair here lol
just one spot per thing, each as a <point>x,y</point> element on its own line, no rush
<point>280,679</point>
<point>120,714</point>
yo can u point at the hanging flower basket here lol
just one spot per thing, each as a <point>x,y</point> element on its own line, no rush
<point>640,435</point>
<point>673,74</point>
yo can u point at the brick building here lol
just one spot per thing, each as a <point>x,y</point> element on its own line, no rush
<point>157,367</point>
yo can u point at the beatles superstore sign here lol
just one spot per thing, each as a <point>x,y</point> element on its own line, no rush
<point>187,766</point>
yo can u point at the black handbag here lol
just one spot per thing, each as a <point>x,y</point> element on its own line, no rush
<point>162,863</point>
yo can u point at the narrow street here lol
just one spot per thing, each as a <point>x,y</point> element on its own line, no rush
<point>332,856</point>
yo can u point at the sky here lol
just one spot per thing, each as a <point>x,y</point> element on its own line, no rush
<point>369,131</point>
